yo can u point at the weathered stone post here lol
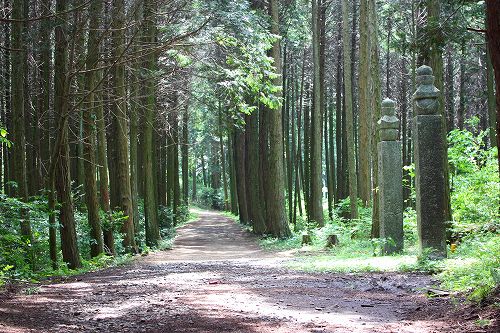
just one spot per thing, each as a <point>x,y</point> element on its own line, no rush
<point>429,168</point>
<point>390,175</point>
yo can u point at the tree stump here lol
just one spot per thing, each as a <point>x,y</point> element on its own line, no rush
<point>332,240</point>
<point>306,239</point>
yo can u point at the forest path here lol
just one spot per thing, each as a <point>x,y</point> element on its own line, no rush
<point>217,279</point>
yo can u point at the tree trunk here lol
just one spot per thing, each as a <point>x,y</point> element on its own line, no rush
<point>450,91</point>
<point>339,193</point>
<point>89,142</point>
<point>493,19</point>
<point>60,162</point>
<point>194,196</point>
<point>299,182</point>
<point>404,128</point>
<point>135,86</point>
<point>149,67</point>
<point>461,105</point>
<point>364,104</point>
<point>18,127</point>
<point>176,187</point>
<point>185,157</point>
<point>375,105</point>
<point>307,151</point>
<point>120,118</point>
<point>109,240</point>
<point>7,154</point>
<point>388,58</point>
<point>436,63</point>
<point>490,90</point>
<point>135,93</point>
<point>239,158</point>
<point>316,187</point>
<point>223,161</point>
<point>353,187</point>
<point>232,174</point>
<point>276,215</point>
<point>255,212</point>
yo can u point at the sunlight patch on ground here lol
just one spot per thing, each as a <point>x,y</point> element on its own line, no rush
<point>364,264</point>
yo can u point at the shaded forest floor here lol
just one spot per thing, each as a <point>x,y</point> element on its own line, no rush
<point>217,279</point>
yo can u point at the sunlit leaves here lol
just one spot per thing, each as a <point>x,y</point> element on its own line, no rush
<point>3,138</point>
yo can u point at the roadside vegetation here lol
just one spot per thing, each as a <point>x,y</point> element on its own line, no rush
<point>473,263</point>
<point>22,260</point>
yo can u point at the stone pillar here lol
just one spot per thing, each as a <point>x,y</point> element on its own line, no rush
<point>429,168</point>
<point>390,177</point>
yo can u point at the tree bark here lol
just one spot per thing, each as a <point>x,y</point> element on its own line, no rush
<point>18,135</point>
<point>185,157</point>
<point>223,160</point>
<point>375,105</point>
<point>255,212</point>
<point>450,90</point>
<point>339,193</point>
<point>109,240</point>
<point>316,187</point>
<point>239,158</point>
<point>232,174</point>
<point>276,215</point>
<point>60,162</point>
<point>493,19</point>
<point>461,104</point>
<point>121,139</point>
<point>353,187</point>
<point>89,140</point>
<point>364,104</point>
<point>490,90</point>
<point>149,67</point>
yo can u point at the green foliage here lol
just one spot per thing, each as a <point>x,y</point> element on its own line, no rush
<point>23,260</point>
<point>211,198</point>
<point>3,138</point>
<point>473,267</point>
<point>475,189</point>
<point>410,227</point>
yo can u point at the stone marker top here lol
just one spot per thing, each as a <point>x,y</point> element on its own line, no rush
<point>424,70</point>
<point>426,96</point>
<point>388,123</point>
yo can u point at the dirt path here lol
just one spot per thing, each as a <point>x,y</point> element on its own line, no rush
<point>216,279</point>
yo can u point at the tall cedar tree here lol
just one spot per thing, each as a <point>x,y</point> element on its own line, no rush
<point>353,182</point>
<point>60,174</point>
<point>122,172</point>
<point>364,104</point>
<point>18,112</point>
<point>150,203</point>
<point>89,125</point>
<point>316,188</point>
<point>275,206</point>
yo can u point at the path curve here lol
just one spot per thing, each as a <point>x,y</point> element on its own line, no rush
<point>217,279</point>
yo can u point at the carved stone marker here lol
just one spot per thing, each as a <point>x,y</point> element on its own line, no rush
<point>429,167</point>
<point>390,175</point>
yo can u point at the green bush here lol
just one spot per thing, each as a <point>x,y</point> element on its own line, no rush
<point>26,259</point>
<point>474,178</point>
<point>211,198</point>
<point>473,267</point>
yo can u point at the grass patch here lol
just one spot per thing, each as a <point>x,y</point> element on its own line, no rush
<point>473,269</point>
<point>230,215</point>
<point>341,264</point>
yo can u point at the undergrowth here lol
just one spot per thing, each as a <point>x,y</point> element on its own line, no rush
<point>473,268</point>
<point>23,260</point>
